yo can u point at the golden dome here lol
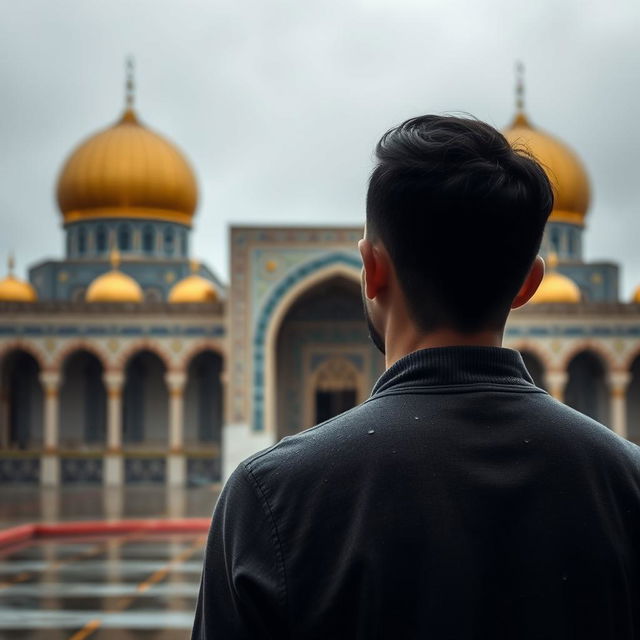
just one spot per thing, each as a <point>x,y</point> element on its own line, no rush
<point>556,287</point>
<point>127,171</point>
<point>13,289</point>
<point>193,288</point>
<point>562,166</point>
<point>114,286</point>
<point>636,296</point>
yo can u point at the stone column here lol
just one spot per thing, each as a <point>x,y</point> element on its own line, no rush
<point>176,463</point>
<point>556,383</point>
<point>618,381</point>
<point>50,464</point>
<point>113,462</point>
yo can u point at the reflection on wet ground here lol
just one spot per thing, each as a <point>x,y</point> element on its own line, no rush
<point>133,586</point>
<point>123,587</point>
<point>20,505</point>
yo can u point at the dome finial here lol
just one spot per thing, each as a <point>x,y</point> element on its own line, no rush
<point>553,260</point>
<point>129,85</point>
<point>520,119</point>
<point>11,263</point>
<point>519,86</point>
<point>194,265</point>
<point>114,258</point>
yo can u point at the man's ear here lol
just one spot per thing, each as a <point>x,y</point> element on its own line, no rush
<point>530,284</point>
<point>375,267</point>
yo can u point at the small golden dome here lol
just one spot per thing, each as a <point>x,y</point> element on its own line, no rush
<point>114,286</point>
<point>636,296</point>
<point>556,287</point>
<point>562,166</point>
<point>13,289</point>
<point>193,288</point>
<point>127,171</point>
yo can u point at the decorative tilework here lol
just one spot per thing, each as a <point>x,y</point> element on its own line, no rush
<point>205,330</point>
<point>145,469</point>
<point>202,471</point>
<point>81,470</point>
<point>19,470</point>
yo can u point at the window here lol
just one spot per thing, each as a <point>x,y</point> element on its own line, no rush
<point>124,238</point>
<point>82,241</point>
<point>101,239</point>
<point>555,240</point>
<point>168,241</point>
<point>572,244</point>
<point>148,239</point>
<point>183,243</point>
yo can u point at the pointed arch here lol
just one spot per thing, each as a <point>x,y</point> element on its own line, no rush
<point>270,318</point>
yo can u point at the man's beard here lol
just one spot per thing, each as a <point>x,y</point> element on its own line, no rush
<point>374,335</point>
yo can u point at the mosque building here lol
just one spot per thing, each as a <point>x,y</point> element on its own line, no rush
<point>130,362</point>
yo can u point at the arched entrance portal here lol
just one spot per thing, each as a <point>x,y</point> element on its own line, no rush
<point>587,389</point>
<point>145,406</point>
<point>83,402</point>
<point>325,362</point>
<point>22,402</point>
<point>335,389</point>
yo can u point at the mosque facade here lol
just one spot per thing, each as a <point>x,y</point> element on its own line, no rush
<point>129,362</point>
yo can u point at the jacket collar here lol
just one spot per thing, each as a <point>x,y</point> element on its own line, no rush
<point>455,366</point>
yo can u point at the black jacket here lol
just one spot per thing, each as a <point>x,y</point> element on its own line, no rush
<point>458,502</point>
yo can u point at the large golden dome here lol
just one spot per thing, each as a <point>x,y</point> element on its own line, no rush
<point>127,171</point>
<point>114,286</point>
<point>562,165</point>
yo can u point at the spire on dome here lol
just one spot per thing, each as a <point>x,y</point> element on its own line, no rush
<point>130,85</point>
<point>129,114</point>
<point>114,258</point>
<point>519,86</point>
<point>520,119</point>
<point>11,263</point>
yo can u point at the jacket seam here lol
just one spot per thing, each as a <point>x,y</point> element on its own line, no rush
<point>259,488</point>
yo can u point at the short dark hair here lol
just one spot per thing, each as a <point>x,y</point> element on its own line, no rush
<point>461,214</point>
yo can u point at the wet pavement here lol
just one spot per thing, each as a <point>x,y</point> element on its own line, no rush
<point>134,586</point>
<point>127,587</point>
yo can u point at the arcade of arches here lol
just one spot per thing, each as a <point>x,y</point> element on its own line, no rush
<point>80,408</point>
<point>325,364</point>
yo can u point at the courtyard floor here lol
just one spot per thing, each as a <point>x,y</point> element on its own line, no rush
<point>125,586</point>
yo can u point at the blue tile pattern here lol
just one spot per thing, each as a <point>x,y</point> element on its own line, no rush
<point>19,470</point>
<point>145,469</point>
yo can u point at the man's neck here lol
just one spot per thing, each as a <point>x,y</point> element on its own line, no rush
<point>406,342</point>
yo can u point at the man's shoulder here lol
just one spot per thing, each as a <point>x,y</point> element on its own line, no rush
<point>311,449</point>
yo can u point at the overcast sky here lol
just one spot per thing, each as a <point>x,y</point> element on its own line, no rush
<point>278,105</point>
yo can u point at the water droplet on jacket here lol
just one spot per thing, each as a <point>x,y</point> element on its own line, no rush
<point>393,451</point>
<point>325,480</point>
<point>564,577</point>
<point>526,441</point>
<point>416,418</point>
<point>371,431</point>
